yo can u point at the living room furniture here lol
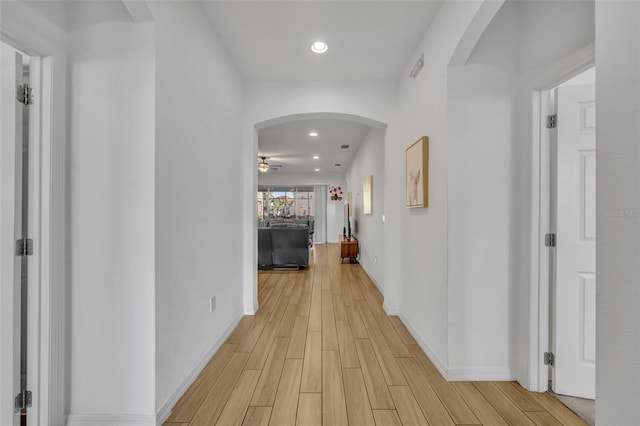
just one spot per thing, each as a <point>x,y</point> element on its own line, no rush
<point>348,248</point>
<point>283,247</point>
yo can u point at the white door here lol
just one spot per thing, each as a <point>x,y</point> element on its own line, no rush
<point>575,307</point>
<point>10,231</point>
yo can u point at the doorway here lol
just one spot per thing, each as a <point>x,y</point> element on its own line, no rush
<point>571,240</point>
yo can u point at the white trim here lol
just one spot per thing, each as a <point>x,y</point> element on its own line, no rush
<point>441,366</point>
<point>110,420</point>
<point>163,413</point>
<point>542,80</point>
<point>494,374</point>
<point>391,309</point>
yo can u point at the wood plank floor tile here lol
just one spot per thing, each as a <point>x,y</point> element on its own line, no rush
<point>312,365</point>
<point>252,335</point>
<point>386,418</point>
<point>407,407</point>
<point>272,368</point>
<point>502,403</point>
<point>542,418</point>
<point>339,308</point>
<point>217,397</point>
<point>402,331</point>
<point>397,346</point>
<point>388,363</point>
<point>334,409</point>
<point>263,345</point>
<point>329,332</point>
<point>298,338</point>
<point>236,407</point>
<point>558,410</point>
<point>265,393</point>
<point>286,404</point>
<point>240,330</point>
<point>288,319</point>
<point>257,416</point>
<point>309,409</point>
<point>484,411</point>
<point>523,399</point>
<point>348,353</point>
<point>457,408</point>
<point>358,406</point>
<point>357,325</point>
<point>187,406</point>
<point>427,398</point>
<point>379,395</point>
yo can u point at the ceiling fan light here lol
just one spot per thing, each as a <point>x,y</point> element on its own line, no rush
<point>264,166</point>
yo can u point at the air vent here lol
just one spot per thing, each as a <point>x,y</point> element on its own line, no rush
<point>275,166</point>
<point>344,146</point>
<point>337,165</point>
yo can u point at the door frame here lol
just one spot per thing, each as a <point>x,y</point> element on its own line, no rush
<point>540,259</point>
<point>48,320</point>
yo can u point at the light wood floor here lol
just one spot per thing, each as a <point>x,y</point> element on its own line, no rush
<point>321,351</point>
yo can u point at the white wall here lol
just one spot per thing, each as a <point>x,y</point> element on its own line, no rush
<point>490,180</point>
<point>112,226</point>
<point>480,209</point>
<point>369,160</point>
<point>334,212</point>
<point>198,182</point>
<point>618,235</point>
<point>415,276</point>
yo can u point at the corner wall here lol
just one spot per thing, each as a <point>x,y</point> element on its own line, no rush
<point>198,226</point>
<point>112,225</point>
<point>618,234</point>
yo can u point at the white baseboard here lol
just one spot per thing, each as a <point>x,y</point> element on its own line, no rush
<point>458,374</point>
<point>441,366</point>
<point>480,374</point>
<point>110,420</point>
<point>390,309</point>
<point>165,411</point>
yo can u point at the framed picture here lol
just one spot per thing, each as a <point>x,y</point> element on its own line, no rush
<point>417,161</point>
<point>367,207</point>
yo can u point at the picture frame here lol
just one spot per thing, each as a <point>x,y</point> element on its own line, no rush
<point>417,173</point>
<point>367,195</point>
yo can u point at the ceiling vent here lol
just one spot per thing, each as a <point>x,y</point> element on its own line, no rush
<point>337,165</point>
<point>344,146</point>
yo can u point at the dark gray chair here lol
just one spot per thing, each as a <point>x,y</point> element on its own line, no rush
<point>290,246</point>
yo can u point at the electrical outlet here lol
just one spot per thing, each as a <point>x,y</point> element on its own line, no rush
<point>212,304</point>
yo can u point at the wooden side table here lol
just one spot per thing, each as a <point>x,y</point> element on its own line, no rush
<point>348,248</point>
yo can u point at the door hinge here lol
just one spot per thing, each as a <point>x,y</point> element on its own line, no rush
<point>550,240</point>
<point>25,94</point>
<point>552,121</point>
<point>24,247</point>
<point>549,359</point>
<point>23,401</point>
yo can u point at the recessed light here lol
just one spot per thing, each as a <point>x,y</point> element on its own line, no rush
<point>313,134</point>
<point>315,157</point>
<point>317,170</point>
<point>319,47</point>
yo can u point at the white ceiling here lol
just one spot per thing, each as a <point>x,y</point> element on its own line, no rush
<point>289,145</point>
<point>370,40</point>
<point>270,40</point>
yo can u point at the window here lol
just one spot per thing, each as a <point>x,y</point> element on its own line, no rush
<point>285,202</point>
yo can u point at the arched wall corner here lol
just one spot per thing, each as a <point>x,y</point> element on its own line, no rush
<point>250,153</point>
<point>474,31</point>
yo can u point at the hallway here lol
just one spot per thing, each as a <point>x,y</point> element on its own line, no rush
<point>322,351</point>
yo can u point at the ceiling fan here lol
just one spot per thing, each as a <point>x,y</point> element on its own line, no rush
<point>265,167</point>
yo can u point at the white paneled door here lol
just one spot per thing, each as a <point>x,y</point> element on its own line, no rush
<point>575,345</point>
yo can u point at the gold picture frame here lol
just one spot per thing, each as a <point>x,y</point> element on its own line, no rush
<point>367,195</point>
<point>417,170</point>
